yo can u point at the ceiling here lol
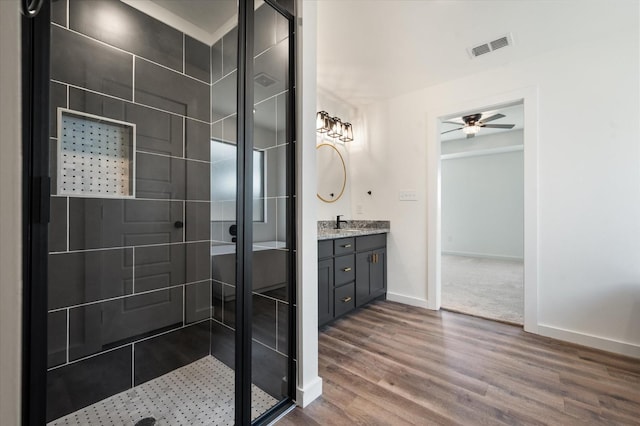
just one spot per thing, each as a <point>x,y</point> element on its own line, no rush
<point>206,15</point>
<point>376,49</point>
<point>512,115</point>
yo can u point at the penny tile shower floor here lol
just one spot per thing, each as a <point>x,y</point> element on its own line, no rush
<point>200,393</point>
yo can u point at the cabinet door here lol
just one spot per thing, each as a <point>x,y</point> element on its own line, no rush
<point>362,277</point>
<point>378,273</point>
<point>325,291</point>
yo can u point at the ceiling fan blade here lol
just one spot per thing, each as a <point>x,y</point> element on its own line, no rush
<point>470,135</point>
<point>448,131</point>
<point>493,117</point>
<point>499,126</point>
<point>454,122</point>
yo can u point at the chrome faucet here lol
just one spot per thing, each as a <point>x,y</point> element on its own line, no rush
<point>339,221</point>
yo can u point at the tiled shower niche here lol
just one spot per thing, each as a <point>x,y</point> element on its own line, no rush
<point>95,156</point>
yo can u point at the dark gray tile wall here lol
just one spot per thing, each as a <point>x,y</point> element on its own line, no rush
<point>59,12</point>
<point>57,341</point>
<point>165,353</point>
<point>128,319</point>
<point>77,385</point>
<point>197,61</point>
<point>144,36</point>
<point>84,62</point>
<point>129,275</point>
<point>171,91</point>
<point>156,131</point>
<point>87,276</point>
<point>58,216</point>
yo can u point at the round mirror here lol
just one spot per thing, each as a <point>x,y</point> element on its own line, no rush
<point>332,173</point>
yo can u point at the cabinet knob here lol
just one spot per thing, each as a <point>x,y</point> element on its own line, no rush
<point>346,269</point>
<point>347,299</point>
<point>346,245</point>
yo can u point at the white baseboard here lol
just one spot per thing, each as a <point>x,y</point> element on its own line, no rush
<point>307,395</point>
<point>482,255</point>
<point>609,345</point>
<point>407,300</point>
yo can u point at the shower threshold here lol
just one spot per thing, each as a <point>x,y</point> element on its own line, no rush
<point>201,393</point>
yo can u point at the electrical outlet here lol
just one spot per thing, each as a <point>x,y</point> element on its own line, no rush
<point>408,195</point>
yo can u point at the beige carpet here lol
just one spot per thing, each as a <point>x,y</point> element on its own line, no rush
<point>488,288</point>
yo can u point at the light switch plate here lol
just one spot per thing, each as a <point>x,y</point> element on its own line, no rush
<point>408,195</point>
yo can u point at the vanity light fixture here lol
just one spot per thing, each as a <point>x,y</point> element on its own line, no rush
<point>347,132</point>
<point>323,122</point>
<point>334,127</point>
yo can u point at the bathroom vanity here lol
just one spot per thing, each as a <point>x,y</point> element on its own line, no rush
<point>352,267</point>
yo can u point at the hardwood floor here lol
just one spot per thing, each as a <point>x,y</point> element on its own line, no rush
<point>391,364</point>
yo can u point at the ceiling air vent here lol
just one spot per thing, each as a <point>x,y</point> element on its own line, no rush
<point>264,79</point>
<point>480,50</point>
<point>490,46</point>
<point>500,43</point>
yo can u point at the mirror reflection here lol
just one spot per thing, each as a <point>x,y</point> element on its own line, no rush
<point>332,173</point>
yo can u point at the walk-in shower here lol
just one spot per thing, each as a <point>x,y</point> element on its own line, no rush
<point>169,269</point>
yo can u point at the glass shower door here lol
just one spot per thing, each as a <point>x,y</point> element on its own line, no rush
<point>272,292</point>
<point>166,305</point>
<point>141,275</point>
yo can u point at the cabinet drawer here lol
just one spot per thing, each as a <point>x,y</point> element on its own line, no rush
<point>344,299</point>
<point>325,249</point>
<point>369,242</point>
<point>343,246</point>
<point>344,268</point>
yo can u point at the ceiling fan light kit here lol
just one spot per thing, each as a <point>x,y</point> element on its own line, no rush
<point>470,130</point>
<point>472,123</point>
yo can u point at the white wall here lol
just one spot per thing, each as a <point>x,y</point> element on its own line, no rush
<point>309,385</point>
<point>588,181</point>
<point>10,213</point>
<point>483,198</point>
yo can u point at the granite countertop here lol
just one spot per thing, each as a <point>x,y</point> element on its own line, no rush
<point>352,228</point>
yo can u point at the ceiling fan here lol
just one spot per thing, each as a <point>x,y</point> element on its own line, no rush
<point>472,123</point>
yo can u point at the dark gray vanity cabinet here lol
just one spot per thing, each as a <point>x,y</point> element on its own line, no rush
<point>325,290</point>
<point>351,272</point>
<point>371,264</point>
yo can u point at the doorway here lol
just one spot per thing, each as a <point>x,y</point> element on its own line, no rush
<point>482,169</point>
<point>456,108</point>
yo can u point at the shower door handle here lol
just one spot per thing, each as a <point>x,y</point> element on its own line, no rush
<point>30,8</point>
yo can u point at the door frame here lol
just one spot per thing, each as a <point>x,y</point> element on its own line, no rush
<point>529,98</point>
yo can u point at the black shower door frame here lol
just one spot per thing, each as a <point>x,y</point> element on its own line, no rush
<point>36,203</point>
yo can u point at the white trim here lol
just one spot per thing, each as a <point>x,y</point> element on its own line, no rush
<point>481,152</point>
<point>589,340</point>
<point>408,300</point>
<point>304,396</point>
<point>132,157</point>
<point>482,255</point>
<point>529,96</point>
